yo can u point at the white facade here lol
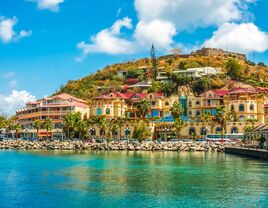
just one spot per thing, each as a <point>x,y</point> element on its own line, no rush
<point>192,72</point>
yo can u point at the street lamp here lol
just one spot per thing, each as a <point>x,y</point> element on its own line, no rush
<point>165,130</point>
<point>127,132</point>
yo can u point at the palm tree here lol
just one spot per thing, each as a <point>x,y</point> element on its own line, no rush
<point>16,127</point>
<point>178,124</point>
<point>177,112</point>
<point>37,125</point>
<point>207,119</point>
<point>140,131</point>
<point>118,121</point>
<point>144,108</point>
<point>81,127</point>
<point>47,124</point>
<point>221,118</point>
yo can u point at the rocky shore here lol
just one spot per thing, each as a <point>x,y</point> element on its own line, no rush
<point>79,145</point>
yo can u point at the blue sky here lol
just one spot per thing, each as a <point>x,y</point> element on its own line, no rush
<point>45,43</point>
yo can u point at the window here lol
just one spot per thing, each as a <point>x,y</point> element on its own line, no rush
<point>234,130</point>
<point>190,103</point>
<point>198,113</point>
<point>203,131</point>
<point>99,111</point>
<point>197,102</point>
<point>241,118</point>
<point>251,107</point>
<point>232,107</point>
<point>218,130</point>
<point>153,103</point>
<point>241,107</point>
<point>108,111</point>
<point>192,131</point>
<point>166,103</point>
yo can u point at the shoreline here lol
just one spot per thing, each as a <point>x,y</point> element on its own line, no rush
<point>114,146</point>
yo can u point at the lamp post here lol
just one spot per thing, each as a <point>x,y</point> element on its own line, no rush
<point>165,130</point>
<point>127,132</point>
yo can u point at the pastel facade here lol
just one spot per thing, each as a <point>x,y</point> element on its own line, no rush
<point>54,108</point>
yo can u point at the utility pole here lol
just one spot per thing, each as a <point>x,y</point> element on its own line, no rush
<point>154,62</point>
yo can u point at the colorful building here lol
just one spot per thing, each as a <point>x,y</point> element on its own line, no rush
<point>54,108</point>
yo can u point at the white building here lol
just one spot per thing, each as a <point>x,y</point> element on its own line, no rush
<point>192,72</point>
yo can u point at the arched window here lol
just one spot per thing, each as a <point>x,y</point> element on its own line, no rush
<point>166,103</point>
<point>218,130</point>
<point>190,103</point>
<point>191,131</point>
<point>102,132</point>
<point>190,113</point>
<point>234,130</point>
<point>241,107</point>
<point>251,107</point>
<point>232,107</point>
<point>108,111</point>
<point>203,131</point>
<point>99,111</point>
<point>198,113</point>
<point>92,132</point>
<point>242,118</point>
<point>197,102</point>
<point>127,132</point>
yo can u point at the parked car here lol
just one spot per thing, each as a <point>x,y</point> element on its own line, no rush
<point>174,140</point>
<point>187,141</point>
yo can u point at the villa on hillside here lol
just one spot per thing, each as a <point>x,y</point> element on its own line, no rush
<point>54,108</point>
<point>191,72</point>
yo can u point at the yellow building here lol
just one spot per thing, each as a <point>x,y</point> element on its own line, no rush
<point>54,108</point>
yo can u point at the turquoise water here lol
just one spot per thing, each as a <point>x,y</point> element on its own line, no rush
<point>121,179</point>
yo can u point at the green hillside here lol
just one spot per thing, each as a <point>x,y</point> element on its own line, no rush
<point>106,80</point>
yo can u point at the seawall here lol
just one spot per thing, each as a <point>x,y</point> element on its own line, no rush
<point>261,154</point>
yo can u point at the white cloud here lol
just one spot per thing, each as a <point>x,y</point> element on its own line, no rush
<point>14,101</point>
<point>159,21</point>
<point>188,14</point>
<point>244,37</point>
<point>166,18</point>
<point>109,40</point>
<point>52,5</point>
<point>156,32</point>
<point>7,32</point>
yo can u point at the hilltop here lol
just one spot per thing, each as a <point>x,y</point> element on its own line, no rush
<point>234,67</point>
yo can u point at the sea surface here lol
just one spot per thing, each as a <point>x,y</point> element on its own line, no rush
<point>131,179</point>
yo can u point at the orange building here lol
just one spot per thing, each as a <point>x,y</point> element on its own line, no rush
<point>54,108</point>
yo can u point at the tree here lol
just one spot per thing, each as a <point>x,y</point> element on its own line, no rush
<point>81,127</point>
<point>178,125</point>
<point>201,85</point>
<point>154,62</point>
<point>144,107</point>
<point>182,65</point>
<point>117,124</point>
<point>207,119</point>
<point>16,127</point>
<point>140,131</point>
<point>47,125</point>
<point>37,125</point>
<point>234,69</point>
<point>221,118</point>
<point>177,112</point>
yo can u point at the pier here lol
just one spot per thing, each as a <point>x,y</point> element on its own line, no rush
<point>256,153</point>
